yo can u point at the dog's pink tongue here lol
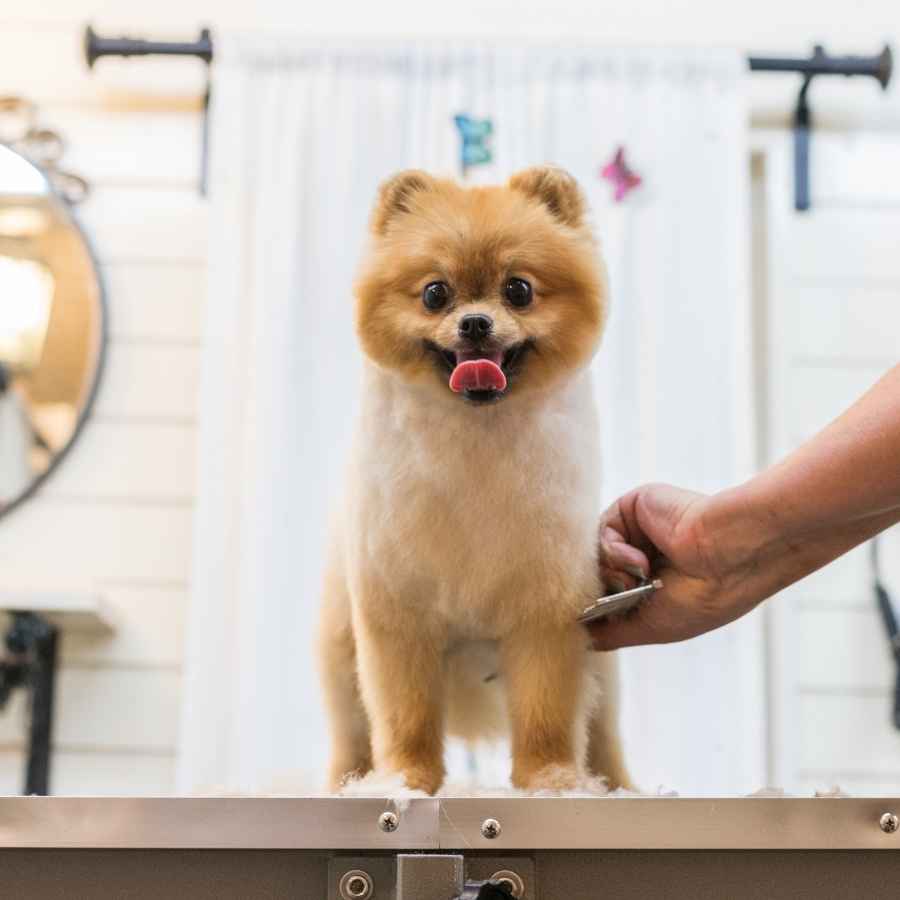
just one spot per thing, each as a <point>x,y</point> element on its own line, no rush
<point>480,374</point>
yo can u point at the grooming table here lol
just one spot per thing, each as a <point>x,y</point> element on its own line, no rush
<point>427,849</point>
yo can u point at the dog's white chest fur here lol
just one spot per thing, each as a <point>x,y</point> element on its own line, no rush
<point>461,510</point>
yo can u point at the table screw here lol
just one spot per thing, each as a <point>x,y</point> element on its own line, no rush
<point>356,885</point>
<point>889,823</point>
<point>512,881</point>
<point>388,821</point>
<point>490,828</point>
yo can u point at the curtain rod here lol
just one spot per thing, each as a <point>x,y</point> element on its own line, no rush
<point>880,67</point>
<point>820,63</point>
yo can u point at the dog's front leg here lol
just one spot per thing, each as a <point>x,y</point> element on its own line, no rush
<point>544,670</point>
<point>401,675</point>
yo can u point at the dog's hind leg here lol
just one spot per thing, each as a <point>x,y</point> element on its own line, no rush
<point>351,744</point>
<point>604,746</point>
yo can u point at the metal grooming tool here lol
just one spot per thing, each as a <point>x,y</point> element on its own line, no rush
<point>619,603</point>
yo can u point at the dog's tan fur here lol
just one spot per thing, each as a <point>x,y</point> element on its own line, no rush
<point>466,545</point>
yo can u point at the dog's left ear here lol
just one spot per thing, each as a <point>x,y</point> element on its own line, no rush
<point>555,188</point>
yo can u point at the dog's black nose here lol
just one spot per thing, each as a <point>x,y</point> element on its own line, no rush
<point>475,327</point>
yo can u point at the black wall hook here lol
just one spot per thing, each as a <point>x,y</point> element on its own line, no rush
<point>96,47</point>
<point>888,614</point>
<point>880,67</point>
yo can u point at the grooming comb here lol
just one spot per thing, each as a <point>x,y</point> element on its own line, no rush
<point>619,603</point>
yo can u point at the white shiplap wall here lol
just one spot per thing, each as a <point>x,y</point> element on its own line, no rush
<point>116,518</point>
<point>833,329</point>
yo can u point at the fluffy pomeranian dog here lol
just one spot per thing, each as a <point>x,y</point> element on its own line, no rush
<point>467,543</point>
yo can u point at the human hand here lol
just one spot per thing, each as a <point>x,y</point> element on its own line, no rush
<point>672,534</point>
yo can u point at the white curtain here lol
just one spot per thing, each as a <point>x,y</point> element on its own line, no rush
<point>301,137</point>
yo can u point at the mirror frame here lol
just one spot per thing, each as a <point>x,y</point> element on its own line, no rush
<point>67,211</point>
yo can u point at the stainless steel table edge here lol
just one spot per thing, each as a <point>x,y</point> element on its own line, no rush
<point>482,824</point>
<point>247,823</point>
<point>671,824</point>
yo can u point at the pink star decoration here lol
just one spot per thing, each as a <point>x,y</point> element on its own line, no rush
<point>622,178</point>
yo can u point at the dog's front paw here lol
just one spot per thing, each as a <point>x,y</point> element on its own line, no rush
<point>343,774</point>
<point>553,777</point>
<point>424,779</point>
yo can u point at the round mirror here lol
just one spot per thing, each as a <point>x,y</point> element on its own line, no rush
<point>52,328</point>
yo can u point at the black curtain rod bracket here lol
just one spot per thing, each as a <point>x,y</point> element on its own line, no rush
<point>879,67</point>
<point>96,47</point>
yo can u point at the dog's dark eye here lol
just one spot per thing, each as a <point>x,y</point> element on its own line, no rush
<point>518,291</point>
<point>436,295</point>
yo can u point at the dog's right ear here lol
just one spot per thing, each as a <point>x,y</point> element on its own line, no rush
<point>395,197</point>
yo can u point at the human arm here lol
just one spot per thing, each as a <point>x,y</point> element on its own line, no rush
<point>719,556</point>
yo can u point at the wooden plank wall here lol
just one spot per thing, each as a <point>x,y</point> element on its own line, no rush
<point>116,518</point>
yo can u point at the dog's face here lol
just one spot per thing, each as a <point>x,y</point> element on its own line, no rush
<point>483,291</point>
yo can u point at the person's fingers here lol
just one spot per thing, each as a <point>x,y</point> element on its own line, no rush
<point>616,553</point>
<point>612,519</point>
<point>621,519</point>
<point>625,558</point>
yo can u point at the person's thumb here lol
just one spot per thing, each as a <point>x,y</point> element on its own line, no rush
<point>630,630</point>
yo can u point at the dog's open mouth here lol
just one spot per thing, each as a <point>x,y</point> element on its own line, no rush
<point>481,375</point>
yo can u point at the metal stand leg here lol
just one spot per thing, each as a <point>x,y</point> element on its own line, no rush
<point>43,685</point>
